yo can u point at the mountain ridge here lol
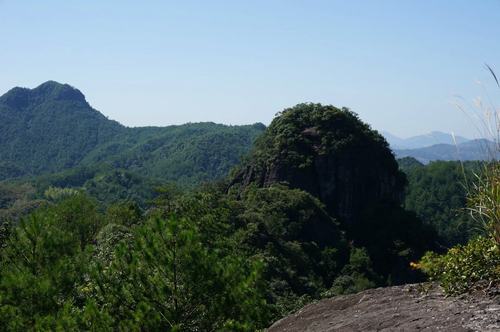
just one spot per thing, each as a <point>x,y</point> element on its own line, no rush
<point>420,141</point>
<point>52,128</point>
<point>477,149</point>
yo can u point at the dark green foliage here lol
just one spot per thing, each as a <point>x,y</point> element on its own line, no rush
<point>9,170</point>
<point>408,163</point>
<point>17,200</point>
<point>393,238</point>
<point>43,263</point>
<point>437,193</point>
<point>120,185</point>
<point>71,178</point>
<point>187,154</point>
<point>168,280</point>
<point>291,229</point>
<point>302,246</point>
<point>126,213</point>
<point>356,276</point>
<point>105,184</point>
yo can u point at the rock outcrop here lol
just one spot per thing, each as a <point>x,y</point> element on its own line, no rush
<point>331,154</point>
<point>416,307</point>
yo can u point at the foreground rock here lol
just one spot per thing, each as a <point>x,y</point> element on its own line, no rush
<point>417,307</point>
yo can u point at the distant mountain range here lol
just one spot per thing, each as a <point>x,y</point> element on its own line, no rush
<point>480,149</point>
<point>422,141</point>
<point>442,146</point>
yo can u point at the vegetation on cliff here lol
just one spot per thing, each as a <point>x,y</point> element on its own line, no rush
<point>331,154</point>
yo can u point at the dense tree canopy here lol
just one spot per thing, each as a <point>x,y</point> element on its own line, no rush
<point>69,267</point>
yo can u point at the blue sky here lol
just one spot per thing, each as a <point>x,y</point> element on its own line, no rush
<point>398,64</point>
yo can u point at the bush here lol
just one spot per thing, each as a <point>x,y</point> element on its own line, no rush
<point>464,265</point>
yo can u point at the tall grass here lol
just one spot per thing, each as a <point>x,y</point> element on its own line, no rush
<point>484,190</point>
<point>484,199</point>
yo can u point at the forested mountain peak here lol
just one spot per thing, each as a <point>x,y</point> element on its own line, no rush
<point>328,152</point>
<point>48,91</point>
<point>48,128</point>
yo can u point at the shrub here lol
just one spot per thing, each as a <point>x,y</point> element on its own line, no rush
<point>464,265</point>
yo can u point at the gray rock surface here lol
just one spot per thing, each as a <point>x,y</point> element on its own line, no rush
<point>416,307</point>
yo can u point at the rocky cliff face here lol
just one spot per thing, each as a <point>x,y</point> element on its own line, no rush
<point>329,153</point>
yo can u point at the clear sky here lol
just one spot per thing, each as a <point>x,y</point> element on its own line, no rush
<point>398,64</point>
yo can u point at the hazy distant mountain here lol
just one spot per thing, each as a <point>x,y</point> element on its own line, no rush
<point>421,141</point>
<point>52,128</point>
<point>480,149</point>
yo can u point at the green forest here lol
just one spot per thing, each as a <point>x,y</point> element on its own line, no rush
<point>53,129</point>
<point>205,227</point>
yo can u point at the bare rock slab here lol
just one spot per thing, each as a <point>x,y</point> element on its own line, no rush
<point>416,307</point>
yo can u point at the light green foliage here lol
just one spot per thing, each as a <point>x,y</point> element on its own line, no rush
<point>58,194</point>
<point>464,265</point>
